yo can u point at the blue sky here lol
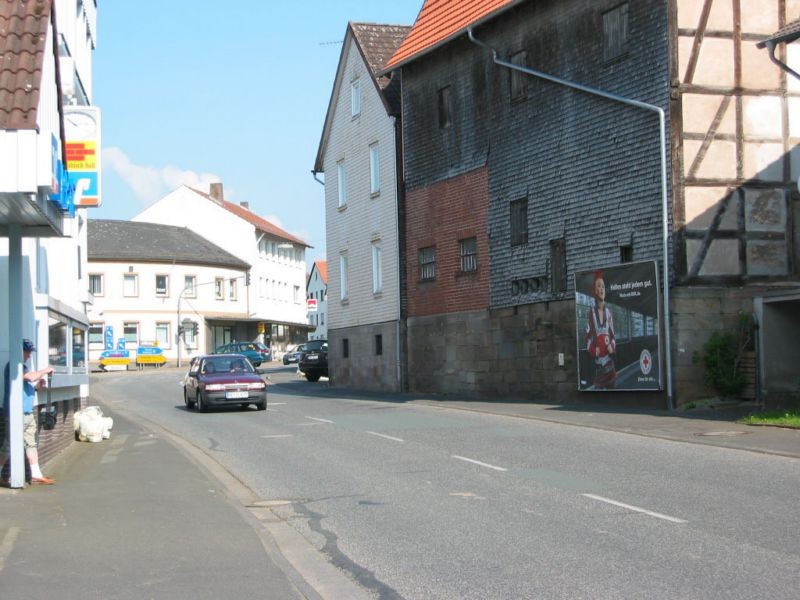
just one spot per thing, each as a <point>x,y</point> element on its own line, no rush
<point>194,91</point>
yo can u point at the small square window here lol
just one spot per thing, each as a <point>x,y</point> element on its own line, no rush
<point>626,254</point>
<point>189,286</point>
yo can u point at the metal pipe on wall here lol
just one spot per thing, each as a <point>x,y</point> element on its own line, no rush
<point>664,203</point>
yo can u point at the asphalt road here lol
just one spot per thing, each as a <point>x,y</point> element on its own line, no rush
<point>416,501</point>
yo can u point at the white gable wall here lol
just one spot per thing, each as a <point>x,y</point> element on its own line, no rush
<point>367,218</point>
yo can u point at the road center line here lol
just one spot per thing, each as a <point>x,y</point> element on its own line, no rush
<point>477,462</point>
<point>388,437</point>
<point>320,420</point>
<point>272,437</point>
<point>277,403</point>
<point>635,508</point>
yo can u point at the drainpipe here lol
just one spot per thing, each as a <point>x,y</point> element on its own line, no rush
<point>664,212</point>
<point>771,45</point>
<point>317,179</point>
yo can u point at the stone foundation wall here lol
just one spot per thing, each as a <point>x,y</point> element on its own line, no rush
<point>364,369</point>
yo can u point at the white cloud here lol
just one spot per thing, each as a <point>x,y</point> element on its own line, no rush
<point>149,183</point>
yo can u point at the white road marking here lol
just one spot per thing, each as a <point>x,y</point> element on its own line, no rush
<point>388,437</point>
<point>281,435</point>
<point>8,545</point>
<point>272,410</point>
<point>320,420</point>
<point>278,403</point>
<point>635,509</point>
<point>477,462</point>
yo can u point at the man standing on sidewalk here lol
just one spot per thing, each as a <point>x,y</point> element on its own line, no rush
<point>31,381</point>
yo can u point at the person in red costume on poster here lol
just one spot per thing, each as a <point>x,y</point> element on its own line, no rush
<point>600,339</point>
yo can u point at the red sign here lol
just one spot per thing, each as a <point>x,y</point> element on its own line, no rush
<point>312,304</point>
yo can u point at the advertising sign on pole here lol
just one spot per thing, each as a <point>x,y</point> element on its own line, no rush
<point>82,132</point>
<point>617,312</point>
<point>312,305</point>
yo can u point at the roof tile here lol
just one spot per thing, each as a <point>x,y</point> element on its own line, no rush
<point>440,21</point>
<point>23,39</point>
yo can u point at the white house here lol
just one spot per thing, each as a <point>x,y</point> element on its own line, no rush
<point>317,291</point>
<point>46,76</point>
<point>359,155</point>
<point>274,287</point>
<point>162,285</point>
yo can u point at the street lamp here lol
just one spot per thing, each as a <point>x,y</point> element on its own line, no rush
<point>180,328</point>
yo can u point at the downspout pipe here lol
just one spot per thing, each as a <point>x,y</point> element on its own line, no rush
<point>770,45</point>
<point>664,212</point>
<point>317,179</point>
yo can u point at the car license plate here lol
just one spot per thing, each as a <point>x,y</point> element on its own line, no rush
<point>235,395</point>
<point>312,357</point>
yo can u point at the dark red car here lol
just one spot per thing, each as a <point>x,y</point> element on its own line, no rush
<point>223,380</point>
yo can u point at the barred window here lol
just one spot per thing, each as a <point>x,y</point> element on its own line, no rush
<point>469,254</point>
<point>519,222</point>
<point>427,263</point>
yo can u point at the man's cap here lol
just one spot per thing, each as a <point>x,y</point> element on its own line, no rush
<point>28,345</point>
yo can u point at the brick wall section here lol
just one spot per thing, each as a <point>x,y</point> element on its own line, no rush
<point>440,215</point>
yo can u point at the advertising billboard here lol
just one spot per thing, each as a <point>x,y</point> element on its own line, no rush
<point>82,132</point>
<point>618,313</point>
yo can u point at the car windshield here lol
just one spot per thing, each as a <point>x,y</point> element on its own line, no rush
<point>226,365</point>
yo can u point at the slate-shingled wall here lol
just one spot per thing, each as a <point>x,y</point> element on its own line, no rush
<point>589,168</point>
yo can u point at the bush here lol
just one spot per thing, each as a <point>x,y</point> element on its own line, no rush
<point>722,356</point>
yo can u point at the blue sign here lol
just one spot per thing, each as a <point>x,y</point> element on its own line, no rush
<point>64,197</point>
<point>109,337</point>
<point>121,344</point>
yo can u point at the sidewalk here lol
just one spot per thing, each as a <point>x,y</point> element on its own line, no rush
<point>133,517</point>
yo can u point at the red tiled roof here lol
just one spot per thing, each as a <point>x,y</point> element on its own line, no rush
<point>23,39</point>
<point>439,21</point>
<point>254,219</point>
<point>322,267</point>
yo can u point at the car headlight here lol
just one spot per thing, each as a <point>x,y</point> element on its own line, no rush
<point>214,387</point>
<point>260,385</point>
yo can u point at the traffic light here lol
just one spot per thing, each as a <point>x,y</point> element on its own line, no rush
<point>195,329</point>
<point>247,278</point>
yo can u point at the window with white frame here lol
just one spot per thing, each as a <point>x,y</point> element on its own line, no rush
<point>96,339</point>
<point>130,332</point>
<point>162,334</point>
<point>219,288</point>
<point>297,298</point>
<point>162,285</point>
<point>189,286</point>
<point>232,289</point>
<point>355,98</point>
<point>343,270</point>
<point>96,284</point>
<point>377,275</point>
<point>130,285</point>
<point>341,175</point>
<point>374,169</point>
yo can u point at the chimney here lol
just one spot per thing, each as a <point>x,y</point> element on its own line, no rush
<point>245,205</point>
<point>215,191</point>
